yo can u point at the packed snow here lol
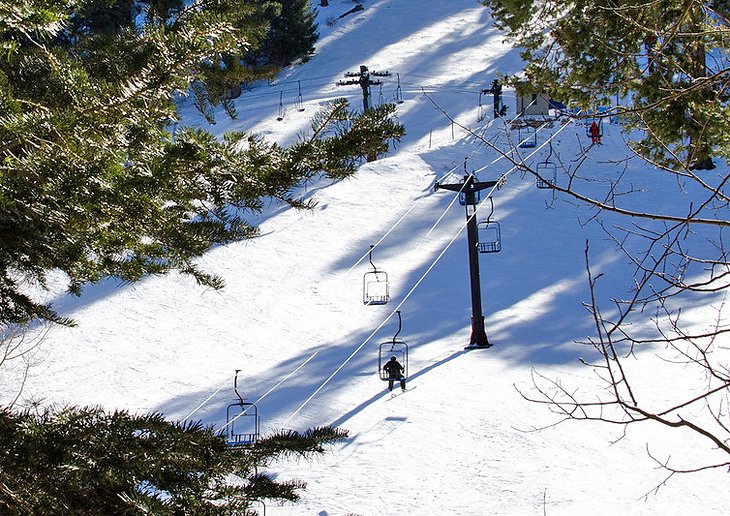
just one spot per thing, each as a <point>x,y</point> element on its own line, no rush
<point>292,320</point>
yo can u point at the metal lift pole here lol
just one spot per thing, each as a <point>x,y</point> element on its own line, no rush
<point>478,334</point>
<point>478,337</point>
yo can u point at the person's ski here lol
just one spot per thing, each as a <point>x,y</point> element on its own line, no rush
<point>394,395</point>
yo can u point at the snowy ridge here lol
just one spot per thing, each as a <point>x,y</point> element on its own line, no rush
<point>291,317</point>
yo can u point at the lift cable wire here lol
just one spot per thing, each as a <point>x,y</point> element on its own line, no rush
<point>399,305</point>
<point>205,402</point>
<point>401,219</point>
<point>500,181</point>
<point>396,309</point>
<point>413,205</point>
<point>243,413</point>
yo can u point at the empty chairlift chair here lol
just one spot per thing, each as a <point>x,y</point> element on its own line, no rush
<point>375,289</point>
<point>242,420</point>
<point>393,348</point>
<point>490,237</point>
<point>527,136</point>
<point>547,174</point>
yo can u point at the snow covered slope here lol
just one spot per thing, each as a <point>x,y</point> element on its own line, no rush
<point>291,317</point>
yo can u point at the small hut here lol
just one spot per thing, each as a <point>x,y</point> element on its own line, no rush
<point>533,104</point>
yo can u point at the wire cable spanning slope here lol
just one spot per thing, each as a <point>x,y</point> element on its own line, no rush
<point>412,290</point>
<point>357,262</point>
<point>502,178</point>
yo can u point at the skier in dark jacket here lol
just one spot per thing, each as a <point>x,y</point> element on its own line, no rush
<point>395,372</point>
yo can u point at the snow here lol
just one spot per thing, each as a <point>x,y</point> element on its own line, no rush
<point>291,316</point>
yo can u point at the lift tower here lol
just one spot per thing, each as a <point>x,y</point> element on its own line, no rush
<point>469,187</point>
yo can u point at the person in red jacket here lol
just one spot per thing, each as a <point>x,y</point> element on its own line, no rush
<point>395,372</point>
<point>595,133</point>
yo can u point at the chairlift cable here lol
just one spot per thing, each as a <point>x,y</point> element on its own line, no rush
<point>272,388</point>
<point>405,298</point>
<point>204,402</point>
<point>413,205</point>
<point>410,292</point>
<point>397,308</point>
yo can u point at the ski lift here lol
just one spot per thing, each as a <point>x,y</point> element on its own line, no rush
<point>258,506</point>
<point>547,174</point>
<point>480,109</point>
<point>462,193</point>
<point>393,348</point>
<point>398,92</point>
<point>381,96</point>
<point>599,122</point>
<point>546,171</point>
<point>300,102</point>
<point>527,136</point>
<point>375,285</point>
<point>489,235</point>
<point>281,107</point>
<point>242,420</point>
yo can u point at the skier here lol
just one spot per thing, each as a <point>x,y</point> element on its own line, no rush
<point>595,133</point>
<point>395,372</point>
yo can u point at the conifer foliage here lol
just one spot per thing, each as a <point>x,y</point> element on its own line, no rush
<point>665,60</point>
<point>93,182</point>
<point>88,461</point>
<point>292,34</point>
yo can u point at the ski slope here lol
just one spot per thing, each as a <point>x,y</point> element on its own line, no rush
<point>291,316</point>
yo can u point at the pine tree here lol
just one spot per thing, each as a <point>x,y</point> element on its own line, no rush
<point>93,184</point>
<point>293,33</point>
<point>88,461</point>
<point>665,59</point>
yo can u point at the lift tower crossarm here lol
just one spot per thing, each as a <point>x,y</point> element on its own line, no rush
<point>364,80</point>
<point>469,187</point>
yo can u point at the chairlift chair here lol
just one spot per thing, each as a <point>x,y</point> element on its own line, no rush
<point>375,290</point>
<point>599,122</point>
<point>242,420</point>
<point>300,101</point>
<point>547,174</point>
<point>527,136</point>
<point>393,348</point>
<point>490,237</point>
<point>258,506</point>
<point>480,109</point>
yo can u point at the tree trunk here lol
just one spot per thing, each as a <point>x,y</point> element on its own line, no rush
<point>700,152</point>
